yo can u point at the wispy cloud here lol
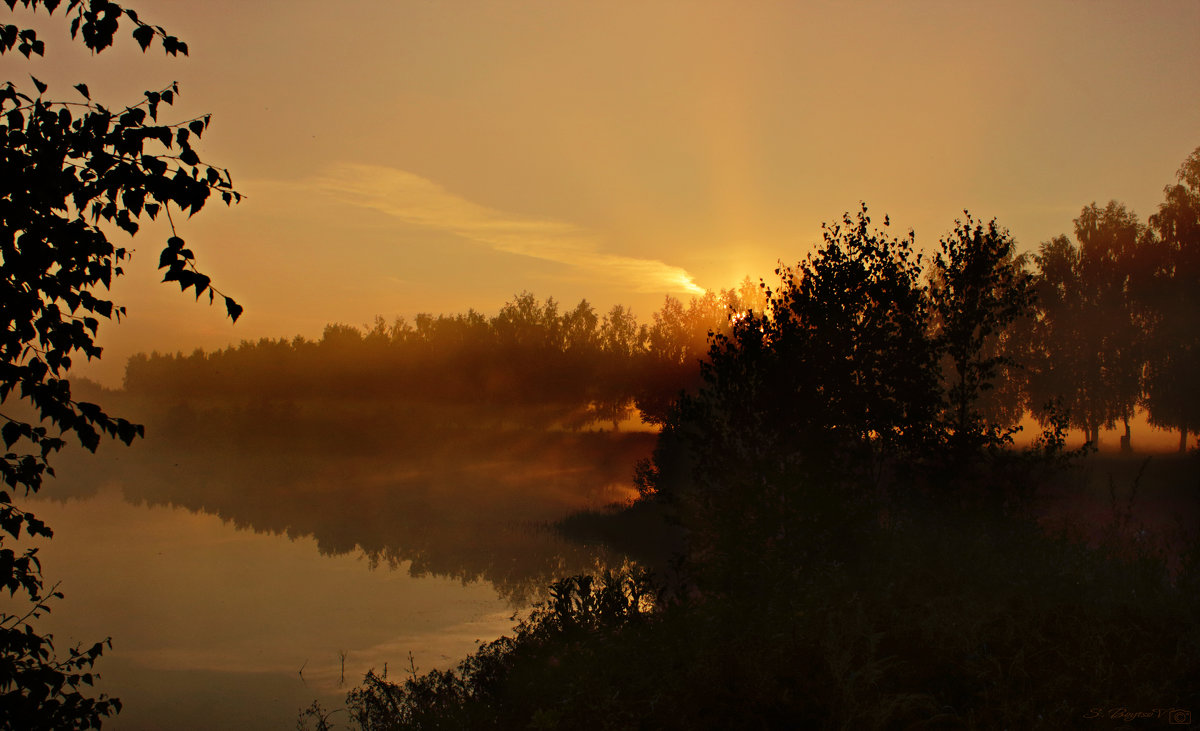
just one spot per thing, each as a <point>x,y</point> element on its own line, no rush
<point>421,202</point>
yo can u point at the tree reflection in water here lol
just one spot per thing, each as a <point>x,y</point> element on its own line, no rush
<point>424,491</point>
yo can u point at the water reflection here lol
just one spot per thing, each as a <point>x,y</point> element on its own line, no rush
<point>402,536</point>
<point>464,502</point>
<point>217,627</point>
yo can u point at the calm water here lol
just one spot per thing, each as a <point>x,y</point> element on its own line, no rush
<point>233,581</point>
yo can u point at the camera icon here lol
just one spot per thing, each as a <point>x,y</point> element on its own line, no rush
<point>1179,717</point>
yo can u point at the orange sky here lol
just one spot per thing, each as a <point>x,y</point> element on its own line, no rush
<point>435,155</point>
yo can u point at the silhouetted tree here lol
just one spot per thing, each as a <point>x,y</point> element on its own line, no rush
<point>66,167</point>
<point>525,322</point>
<point>1088,353</point>
<point>581,329</point>
<point>802,407</point>
<point>1171,304</point>
<point>978,290</point>
<point>854,379</point>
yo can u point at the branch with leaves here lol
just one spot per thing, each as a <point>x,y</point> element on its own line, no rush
<point>99,21</point>
<point>69,172</point>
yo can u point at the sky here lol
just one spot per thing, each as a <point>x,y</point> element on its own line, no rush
<point>437,155</point>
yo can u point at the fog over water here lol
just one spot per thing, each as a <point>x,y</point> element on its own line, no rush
<point>233,562</point>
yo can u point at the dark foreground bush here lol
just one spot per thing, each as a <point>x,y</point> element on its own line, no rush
<point>943,623</point>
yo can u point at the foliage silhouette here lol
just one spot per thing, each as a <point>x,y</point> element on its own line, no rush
<point>1087,348</point>
<point>831,400</point>
<point>69,170</point>
<point>978,289</point>
<point>578,611</point>
<point>1170,303</point>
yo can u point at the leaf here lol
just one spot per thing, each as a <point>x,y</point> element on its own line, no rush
<point>82,88</point>
<point>154,166</point>
<point>87,437</point>
<point>200,282</point>
<point>143,34</point>
<point>40,86</point>
<point>233,308</point>
<point>152,97</point>
<point>128,431</point>
<point>11,432</point>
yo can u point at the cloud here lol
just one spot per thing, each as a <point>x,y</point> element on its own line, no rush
<point>421,202</point>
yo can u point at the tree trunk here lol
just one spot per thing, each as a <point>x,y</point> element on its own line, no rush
<point>1183,438</point>
<point>1127,441</point>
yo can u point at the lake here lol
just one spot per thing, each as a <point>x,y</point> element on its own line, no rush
<point>241,579</point>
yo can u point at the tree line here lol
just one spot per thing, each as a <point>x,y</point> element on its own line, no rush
<point>1098,326</point>
<point>1116,322</point>
<point>532,363</point>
